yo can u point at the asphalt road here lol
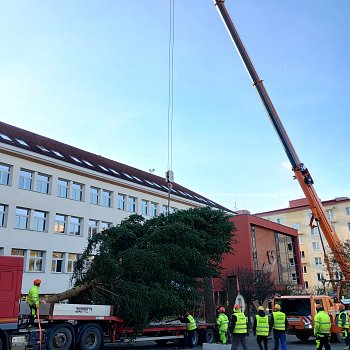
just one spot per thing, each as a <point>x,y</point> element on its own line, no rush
<point>292,344</point>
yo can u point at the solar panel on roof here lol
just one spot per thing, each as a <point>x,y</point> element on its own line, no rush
<point>58,154</point>
<point>114,171</point>
<point>127,175</point>
<point>5,137</point>
<point>76,159</point>
<point>87,163</point>
<point>42,148</point>
<point>22,142</point>
<point>103,168</point>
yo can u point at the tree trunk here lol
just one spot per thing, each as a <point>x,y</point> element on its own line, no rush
<point>209,300</point>
<point>73,292</point>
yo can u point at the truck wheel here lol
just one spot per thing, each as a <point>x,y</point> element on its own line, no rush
<point>195,339</point>
<point>209,336</point>
<point>303,337</point>
<point>59,338</point>
<point>337,338</point>
<point>161,342</point>
<point>91,338</point>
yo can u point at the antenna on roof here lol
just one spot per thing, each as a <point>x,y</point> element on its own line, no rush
<point>151,171</point>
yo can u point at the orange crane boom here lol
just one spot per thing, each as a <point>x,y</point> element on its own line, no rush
<point>300,171</point>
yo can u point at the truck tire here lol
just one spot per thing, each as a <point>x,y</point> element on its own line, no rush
<point>337,338</point>
<point>195,339</point>
<point>209,336</point>
<point>302,336</point>
<point>161,342</point>
<point>59,338</point>
<point>91,338</point>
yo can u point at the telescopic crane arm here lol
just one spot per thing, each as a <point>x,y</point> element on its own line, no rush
<point>300,171</point>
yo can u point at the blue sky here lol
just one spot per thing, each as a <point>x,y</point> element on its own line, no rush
<point>94,74</point>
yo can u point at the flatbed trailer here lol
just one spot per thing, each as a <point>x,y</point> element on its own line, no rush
<point>64,326</point>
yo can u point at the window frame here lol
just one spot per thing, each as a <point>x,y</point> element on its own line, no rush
<point>25,182</point>
<point>5,174</point>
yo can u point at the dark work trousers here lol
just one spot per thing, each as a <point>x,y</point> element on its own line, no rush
<point>238,338</point>
<point>279,336</point>
<point>262,339</point>
<point>188,339</point>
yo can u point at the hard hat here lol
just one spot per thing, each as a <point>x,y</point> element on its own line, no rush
<point>341,306</point>
<point>236,308</point>
<point>261,308</point>
<point>277,307</point>
<point>37,281</point>
<point>222,309</point>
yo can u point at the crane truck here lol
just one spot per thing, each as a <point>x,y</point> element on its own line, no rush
<point>86,327</point>
<point>301,324</point>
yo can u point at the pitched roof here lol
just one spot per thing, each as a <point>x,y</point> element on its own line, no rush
<point>42,145</point>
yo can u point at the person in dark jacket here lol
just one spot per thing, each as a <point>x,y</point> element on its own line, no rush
<point>279,324</point>
<point>261,328</point>
<point>191,326</point>
<point>239,328</point>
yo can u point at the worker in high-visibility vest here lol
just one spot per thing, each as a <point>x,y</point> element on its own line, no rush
<point>343,323</point>
<point>191,326</point>
<point>239,328</point>
<point>33,301</point>
<point>322,328</point>
<point>261,328</point>
<point>222,323</point>
<point>279,325</point>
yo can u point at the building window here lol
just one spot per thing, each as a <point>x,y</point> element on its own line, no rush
<point>121,201</point>
<point>25,179</point>
<point>107,198</point>
<point>144,207</point>
<point>279,221</point>
<point>347,211</point>
<point>306,284</point>
<point>42,183</point>
<point>304,269</point>
<point>105,225</point>
<point>132,204</point>
<point>314,231</point>
<point>291,262</point>
<point>302,254</point>
<point>300,239</point>
<point>154,209</point>
<point>296,226</point>
<point>62,188</point>
<point>316,245</point>
<point>17,252</point>
<point>75,226</point>
<point>294,277</point>
<point>60,223</point>
<point>36,261</point>
<point>3,212</point>
<point>349,226</point>
<point>165,210</point>
<point>72,259</point>
<point>5,170</point>
<point>77,191</point>
<point>330,214</point>
<point>92,228</point>
<point>94,195</point>
<point>290,247</point>
<point>22,218</point>
<point>318,261</point>
<point>57,262</point>
<point>39,221</point>
<point>320,276</point>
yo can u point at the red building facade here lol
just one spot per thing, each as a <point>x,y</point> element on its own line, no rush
<point>262,245</point>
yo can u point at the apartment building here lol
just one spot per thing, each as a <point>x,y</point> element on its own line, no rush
<point>53,197</point>
<point>297,216</point>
